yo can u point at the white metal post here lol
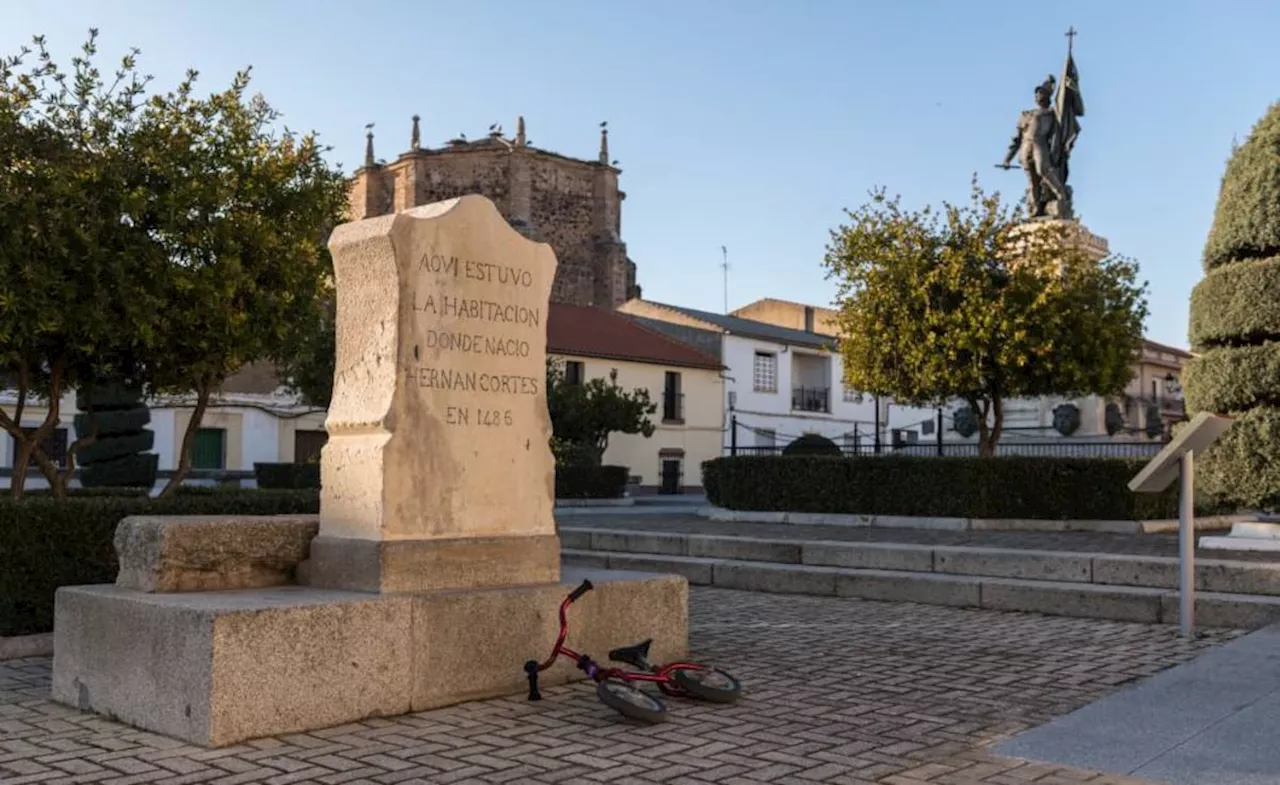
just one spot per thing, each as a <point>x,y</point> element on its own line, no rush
<point>1187,546</point>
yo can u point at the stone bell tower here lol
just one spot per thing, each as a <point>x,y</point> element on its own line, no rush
<point>572,204</point>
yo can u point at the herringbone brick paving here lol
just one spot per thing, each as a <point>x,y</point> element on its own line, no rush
<point>840,691</point>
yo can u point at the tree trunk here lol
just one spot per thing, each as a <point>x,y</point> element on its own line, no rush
<point>997,423</point>
<point>64,478</point>
<point>28,445</point>
<point>21,459</point>
<point>981,410</point>
<point>203,390</point>
<point>47,467</point>
<point>22,449</point>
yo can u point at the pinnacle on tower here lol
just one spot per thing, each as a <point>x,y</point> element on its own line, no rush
<point>415,139</point>
<point>520,137</point>
<point>604,142</point>
<point>369,160</point>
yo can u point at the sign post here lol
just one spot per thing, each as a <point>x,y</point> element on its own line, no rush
<point>1177,459</point>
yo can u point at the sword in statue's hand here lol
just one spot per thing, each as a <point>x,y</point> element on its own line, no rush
<point>1008,166</point>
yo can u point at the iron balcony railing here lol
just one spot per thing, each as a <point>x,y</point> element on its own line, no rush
<point>811,399</point>
<point>672,406</point>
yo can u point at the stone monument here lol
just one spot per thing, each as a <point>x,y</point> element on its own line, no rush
<point>1042,142</point>
<point>438,472</point>
<point>433,570</point>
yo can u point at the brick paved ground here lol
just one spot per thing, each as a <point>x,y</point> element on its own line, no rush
<point>1081,542</point>
<point>841,691</point>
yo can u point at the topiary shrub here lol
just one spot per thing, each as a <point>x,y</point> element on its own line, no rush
<point>274,476</point>
<point>1235,327</point>
<point>812,444</point>
<point>965,421</point>
<point>1113,419</point>
<point>120,457</point>
<point>1154,424</point>
<point>591,482</point>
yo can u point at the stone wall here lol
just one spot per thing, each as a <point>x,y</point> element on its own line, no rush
<point>572,204</point>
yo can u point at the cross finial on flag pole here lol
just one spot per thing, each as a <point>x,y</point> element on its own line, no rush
<point>1071,37</point>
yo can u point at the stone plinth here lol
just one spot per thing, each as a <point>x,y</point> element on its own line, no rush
<point>216,668</point>
<point>1259,535</point>
<point>435,572</point>
<point>211,553</point>
<point>1094,246</point>
<point>438,471</point>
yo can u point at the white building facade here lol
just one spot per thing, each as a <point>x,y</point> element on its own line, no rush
<point>239,428</point>
<point>781,383</point>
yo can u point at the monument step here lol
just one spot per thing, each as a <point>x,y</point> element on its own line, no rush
<point>1107,569</point>
<point>1050,597</point>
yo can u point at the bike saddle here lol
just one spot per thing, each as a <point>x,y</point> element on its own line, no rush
<point>636,656</point>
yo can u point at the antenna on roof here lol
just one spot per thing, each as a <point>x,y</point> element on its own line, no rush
<point>724,263</point>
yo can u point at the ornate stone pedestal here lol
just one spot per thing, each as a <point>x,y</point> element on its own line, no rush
<point>1094,246</point>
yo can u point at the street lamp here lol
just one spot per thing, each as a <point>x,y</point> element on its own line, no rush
<point>1171,386</point>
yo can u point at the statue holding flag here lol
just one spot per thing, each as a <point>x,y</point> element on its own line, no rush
<point>1043,141</point>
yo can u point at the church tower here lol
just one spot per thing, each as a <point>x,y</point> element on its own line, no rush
<point>572,204</point>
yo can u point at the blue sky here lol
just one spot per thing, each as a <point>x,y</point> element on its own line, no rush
<point>752,123</point>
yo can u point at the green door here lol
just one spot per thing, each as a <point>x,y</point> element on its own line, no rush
<point>210,450</point>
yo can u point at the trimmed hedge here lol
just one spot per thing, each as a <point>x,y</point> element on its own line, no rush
<point>1233,378</point>
<point>812,444</point>
<point>1242,466</point>
<point>1246,222</point>
<point>940,487</point>
<point>591,482</point>
<point>287,475</point>
<point>46,543</point>
<point>1235,320</point>
<point>1237,300</point>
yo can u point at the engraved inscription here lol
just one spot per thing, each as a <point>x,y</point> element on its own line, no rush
<point>457,319</point>
<point>470,308</point>
<point>476,344</point>
<point>501,274</point>
<point>472,381</point>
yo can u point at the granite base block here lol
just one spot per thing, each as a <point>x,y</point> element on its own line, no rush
<point>217,668</point>
<point>391,566</point>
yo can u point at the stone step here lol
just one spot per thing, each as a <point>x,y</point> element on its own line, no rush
<point>1155,572</point>
<point>1055,598</point>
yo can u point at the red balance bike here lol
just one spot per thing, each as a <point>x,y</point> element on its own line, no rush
<point>618,689</point>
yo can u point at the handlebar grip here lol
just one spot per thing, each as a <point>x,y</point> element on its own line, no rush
<point>581,590</point>
<point>531,668</point>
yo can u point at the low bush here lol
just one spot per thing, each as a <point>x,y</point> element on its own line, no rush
<point>287,475</point>
<point>812,444</point>
<point>591,482</point>
<point>46,542</point>
<point>1000,487</point>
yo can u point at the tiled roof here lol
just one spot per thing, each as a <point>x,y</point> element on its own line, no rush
<point>583,331</point>
<point>750,328</point>
<point>1161,347</point>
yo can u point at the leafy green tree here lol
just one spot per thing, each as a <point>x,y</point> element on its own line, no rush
<point>1235,326</point>
<point>76,263</point>
<point>247,213</point>
<point>972,303</point>
<point>306,364</point>
<point>584,415</point>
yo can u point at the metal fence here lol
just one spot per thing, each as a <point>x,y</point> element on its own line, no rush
<point>1046,448</point>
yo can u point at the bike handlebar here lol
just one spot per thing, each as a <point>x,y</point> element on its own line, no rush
<point>581,590</point>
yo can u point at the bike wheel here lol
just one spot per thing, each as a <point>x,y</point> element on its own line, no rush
<point>631,702</point>
<point>710,684</point>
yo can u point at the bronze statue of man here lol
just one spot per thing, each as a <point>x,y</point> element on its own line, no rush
<point>1034,143</point>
